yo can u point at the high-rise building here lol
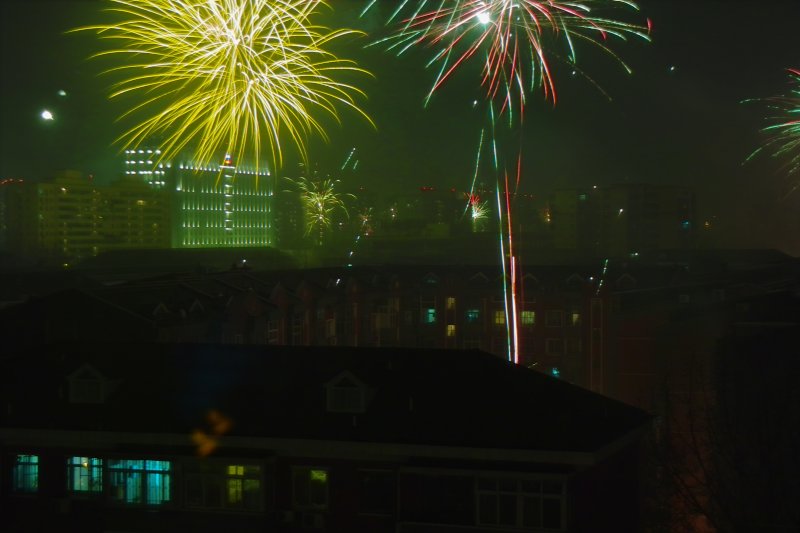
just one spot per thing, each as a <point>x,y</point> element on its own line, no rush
<point>71,218</point>
<point>624,219</point>
<point>220,206</point>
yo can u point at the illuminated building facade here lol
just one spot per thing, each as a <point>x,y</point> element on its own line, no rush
<point>221,207</point>
<point>71,218</point>
<point>146,164</point>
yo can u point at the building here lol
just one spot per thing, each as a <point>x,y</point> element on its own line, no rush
<point>70,218</point>
<point>624,219</point>
<point>187,437</point>
<point>225,206</point>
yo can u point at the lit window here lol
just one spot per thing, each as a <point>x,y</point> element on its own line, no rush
<point>528,318</point>
<point>84,474</point>
<point>499,317</point>
<point>310,488</point>
<point>451,303</point>
<point>139,481</point>
<point>26,473</point>
<point>473,315</point>
<point>451,330</point>
<point>243,487</point>
<point>429,315</point>
<point>575,319</point>
<point>212,485</point>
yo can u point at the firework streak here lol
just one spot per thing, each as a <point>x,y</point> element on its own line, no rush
<point>226,76</point>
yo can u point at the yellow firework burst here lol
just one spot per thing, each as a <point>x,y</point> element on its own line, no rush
<point>227,76</point>
<point>320,201</point>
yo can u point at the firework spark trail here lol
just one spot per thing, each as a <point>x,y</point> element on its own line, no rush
<point>517,41</point>
<point>520,38</point>
<point>227,76</point>
<point>320,201</point>
<point>783,132</point>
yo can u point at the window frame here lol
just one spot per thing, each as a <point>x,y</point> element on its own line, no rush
<point>25,469</point>
<point>310,505</point>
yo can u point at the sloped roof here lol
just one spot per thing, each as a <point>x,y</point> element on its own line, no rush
<point>450,398</point>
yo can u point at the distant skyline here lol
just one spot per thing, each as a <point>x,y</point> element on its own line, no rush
<point>684,125</point>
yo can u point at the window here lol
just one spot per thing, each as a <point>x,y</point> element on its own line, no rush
<point>345,394</point>
<point>451,303</point>
<point>429,315</point>
<point>272,332</point>
<point>553,319</point>
<point>26,473</point>
<point>211,485</point>
<point>84,474</point>
<point>451,330</point>
<point>310,488</point>
<point>520,503</point>
<point>377,492</point>
<point>554,347</point>
<point>473,315</point>
<point>139,481</point>
<point>499,318</point>
<point>243,486</point>
<point>574,346</point>
<point>528,318</point>
<point>575,319</point>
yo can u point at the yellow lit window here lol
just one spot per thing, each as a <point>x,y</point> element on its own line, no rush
<point>499,317</point>
<point>575,319</point>
<point>451,303</point>
<point>528,318</point>
<point>451,330</point>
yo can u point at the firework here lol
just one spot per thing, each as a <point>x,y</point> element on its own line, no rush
<point>320,202</point>
<point>783,132</point>
<point>226,76</point>
<point>515,40</point>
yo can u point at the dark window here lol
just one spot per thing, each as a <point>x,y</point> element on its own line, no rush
<point>310,488</point>
<point>377,492</point>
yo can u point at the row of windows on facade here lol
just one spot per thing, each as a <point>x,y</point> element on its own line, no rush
<point>208,485</point>
<point>528,503</point>
<point>553,318</point>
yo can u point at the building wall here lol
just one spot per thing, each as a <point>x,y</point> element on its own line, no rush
<point>221,207</point>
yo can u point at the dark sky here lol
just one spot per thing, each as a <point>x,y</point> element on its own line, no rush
<point>684,126</point>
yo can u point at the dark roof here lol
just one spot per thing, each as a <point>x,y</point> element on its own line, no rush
<point>452,398</point>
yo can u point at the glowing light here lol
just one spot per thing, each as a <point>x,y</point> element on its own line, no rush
<point>782,134</point>
<point>62,92</point>
<point>515,41</point>
<point>47,115</point>
<point>320,201</point>
<point>227,76</point>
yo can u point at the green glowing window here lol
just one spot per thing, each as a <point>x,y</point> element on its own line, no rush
<point>473,315</point>
<point>429,315</point>
<point>528,318</point>
<point>139,481</point>
<point>84,474</point>
<point>243,487</point>
<point>310,487</point>
<point>26,473</point>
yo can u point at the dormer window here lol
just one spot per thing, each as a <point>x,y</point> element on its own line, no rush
<point>86,385</point>
<point>346,394</point>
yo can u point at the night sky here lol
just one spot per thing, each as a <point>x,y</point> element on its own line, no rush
<point>683,126</point>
